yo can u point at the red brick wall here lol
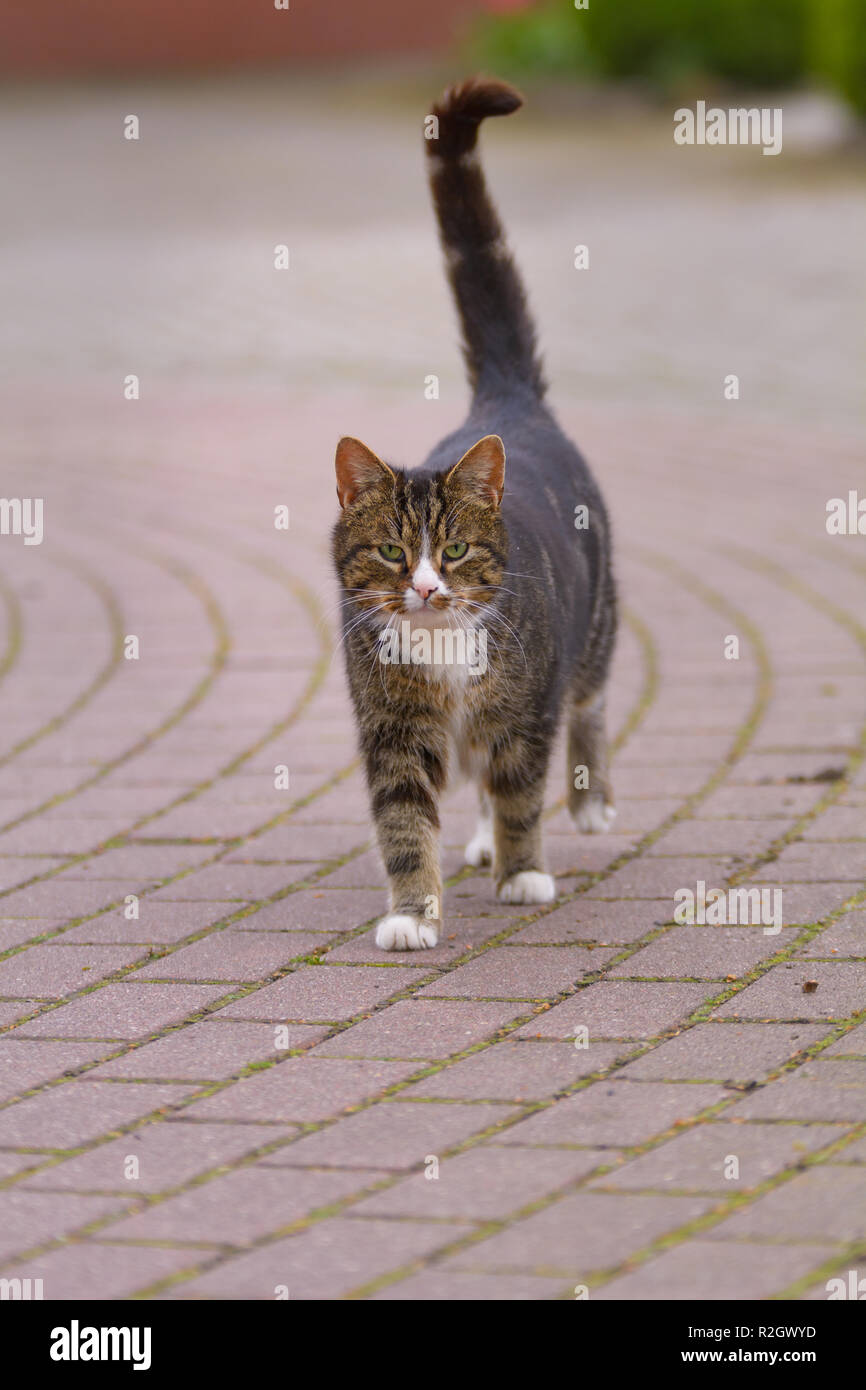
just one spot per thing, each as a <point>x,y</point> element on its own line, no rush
<point>98,36</point>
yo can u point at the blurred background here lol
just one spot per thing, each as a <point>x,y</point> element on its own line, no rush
<point>662,42</point>
<point>262,126</point>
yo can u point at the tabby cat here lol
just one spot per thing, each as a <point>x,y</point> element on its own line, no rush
<point>510,572</point>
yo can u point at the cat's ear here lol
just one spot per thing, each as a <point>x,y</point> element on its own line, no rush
<point>358,469</point>
<point>482,469</point>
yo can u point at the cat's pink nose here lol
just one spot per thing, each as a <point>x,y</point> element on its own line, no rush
<point>425,587</point>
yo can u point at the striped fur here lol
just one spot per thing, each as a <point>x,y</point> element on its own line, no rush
<point>537,590</point>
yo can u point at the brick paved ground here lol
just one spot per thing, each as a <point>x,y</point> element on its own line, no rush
<point>232,1092</point>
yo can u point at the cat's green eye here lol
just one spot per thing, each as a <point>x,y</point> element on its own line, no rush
<point>455,551</point>
<point>391,552</point>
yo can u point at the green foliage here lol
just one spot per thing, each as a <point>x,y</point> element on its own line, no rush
<point>761,44</point>
<point>545,38</point>
<point>631,39</point>
<point>837,33</point>
<point>750,43</point>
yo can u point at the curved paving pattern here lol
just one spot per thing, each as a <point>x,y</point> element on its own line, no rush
<point>211,1084</point>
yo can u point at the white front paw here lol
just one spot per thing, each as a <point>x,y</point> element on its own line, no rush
<point>595,816</point>
<point>401,931</point>
<point>528,887</point>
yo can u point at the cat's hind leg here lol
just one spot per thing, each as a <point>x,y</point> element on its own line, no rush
<point>590,797</point>
<point>479,850</point>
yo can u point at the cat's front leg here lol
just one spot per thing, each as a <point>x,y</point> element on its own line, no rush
<point>405,776</point>
<point>517,778</point>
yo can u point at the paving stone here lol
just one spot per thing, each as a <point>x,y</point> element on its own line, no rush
<point>587,919</point>
<point>698,1160</point>
<point>161,923</point>
<point>809,863</point>
<point>579,1234</point>
<point>703,1270</point>
<point>168,1153</point>
<point>846,937</point>
<point>12,1012</point>
<point>321,993</point>
<point>850,1271</point>
<point>152,863</point>
<point>424,1028</point>
<point>823,1204</point>
<point>613,1112</point>
<point>365,871</point>
<point>67,898</point>
<point>476,897</point>
<point>779,993</point>
<point>661,778</point>
<point>340,806</point>
<point>655,744</point>
<point>90,1270</point>
<point>123,1011</point>
<point>207,821</point>
<point>206,1051</point>
<point>660,878</point>
<point>51,971</point>
<point>327,1261</point>
<point>724,1052</point>
<point>310,842</point>
<point>774,802</point>
<point>63,1117</point>
<point>302,1089</point>
<point>25,1064</point>
<point>317,909</point>
<point>432,1286</point>
<point>18,869</point>
<point>639,815</point>
<point>484,1184</point>
<point>64,837</point>
<point>787,765</point>
<point>32,1218</point>
<point>12,1163</point>
<point>709,953</point>
<point>516,1071</point>
<point>227,955</point>
<point>519,972</point>
<point>618,1009</point>
<point>740,837</point>
<point>15,931</point>
<point>126,804</point>
<point>572,854</point>
<point>838,823</point>
<point>803,904</point>
<point>818,1091</point>
<point>233,882</point>
<point>238,1208</point>
<point>393,1134</point>
<point>851,1044</point>
<point>852,1153</point>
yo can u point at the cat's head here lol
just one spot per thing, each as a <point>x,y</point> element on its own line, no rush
<point>432,547</point>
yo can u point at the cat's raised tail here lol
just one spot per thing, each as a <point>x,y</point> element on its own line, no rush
<point>498,334</point>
